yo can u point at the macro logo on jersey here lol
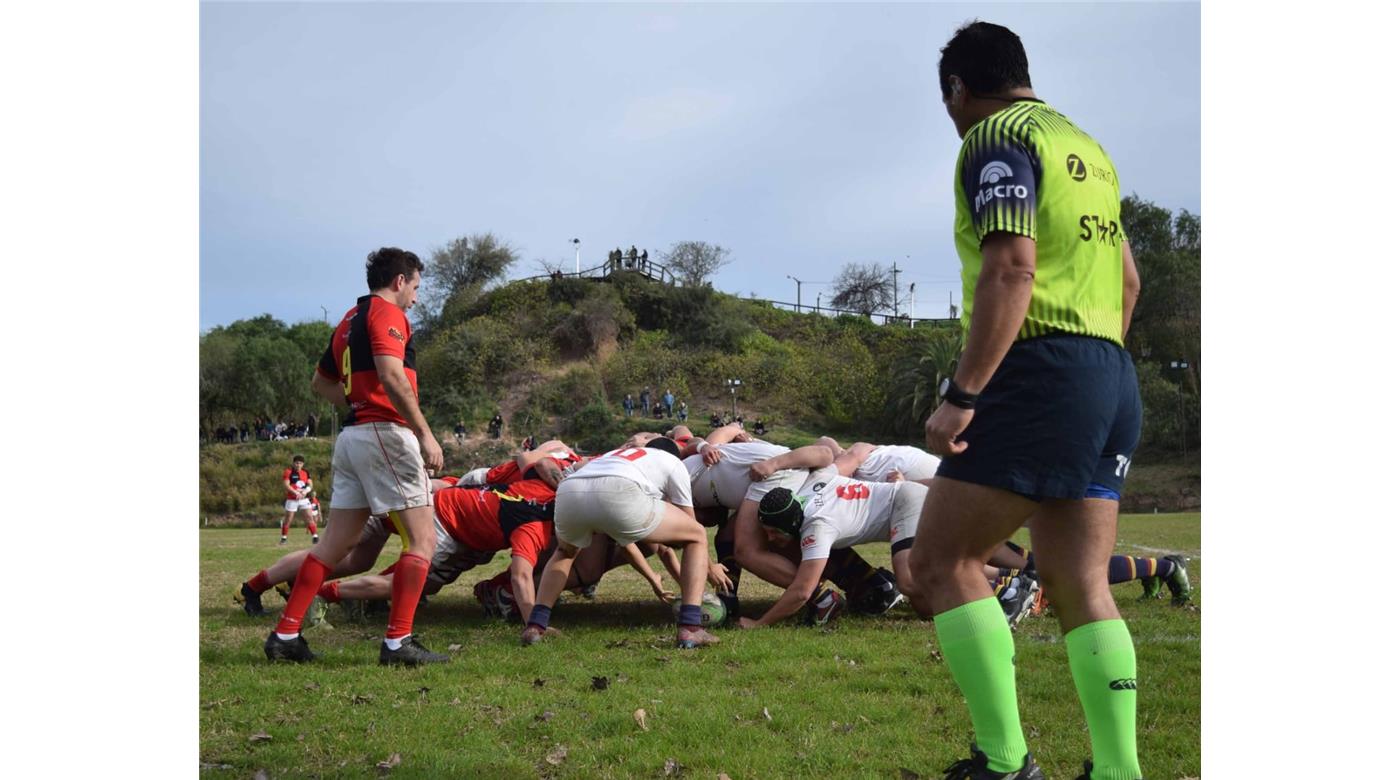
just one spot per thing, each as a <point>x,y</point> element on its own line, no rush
<point>992,173</point>
<point>1075,166</point>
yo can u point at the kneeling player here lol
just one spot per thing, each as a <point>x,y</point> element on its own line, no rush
<point>632,495</point>
<point>472,524</point>
<point>834,512</point>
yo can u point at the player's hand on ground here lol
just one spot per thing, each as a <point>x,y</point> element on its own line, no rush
<point>748,623</point>
<point>712,455</point>
<point>719,578</point>
<point>943,427</point>
<point>432,453</point>
<point>663,595</point>
<point>761,470</point>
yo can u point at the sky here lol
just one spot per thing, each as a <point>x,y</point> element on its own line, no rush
<point>799,136</point>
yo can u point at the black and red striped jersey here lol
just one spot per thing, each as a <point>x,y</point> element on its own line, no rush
<point>374,327</point>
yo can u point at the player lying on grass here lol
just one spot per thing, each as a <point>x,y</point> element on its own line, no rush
<point>832,512</point>
<point>729,475</point>
<point>632,495</point>
<point>471,524</point>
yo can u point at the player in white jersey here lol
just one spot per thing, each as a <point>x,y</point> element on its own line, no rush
<point>879,462</point>
<point>632,494</point>
<point>831,512</point>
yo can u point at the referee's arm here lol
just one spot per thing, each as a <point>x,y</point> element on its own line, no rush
<point>1132,285</point>
<point>999,304</point>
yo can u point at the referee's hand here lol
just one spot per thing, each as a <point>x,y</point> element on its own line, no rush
<point>942,429</point>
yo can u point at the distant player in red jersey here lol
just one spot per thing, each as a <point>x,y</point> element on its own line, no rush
<point>379,460</point>
<point>298,497</point>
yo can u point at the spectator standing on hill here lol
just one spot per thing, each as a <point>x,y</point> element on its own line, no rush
<point>684,413</point>
<point>243,432</point>
<point>380,457</point>
<point>1042,416</point>
<point>759,428</point>
<point>627,405</point>
<point>495,425</point>
<point>715,420</point>
<point>646,399</point>
<point>670,401</point>
<point>460,432</point>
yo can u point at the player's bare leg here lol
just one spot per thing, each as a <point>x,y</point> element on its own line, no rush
<point>678,529</point>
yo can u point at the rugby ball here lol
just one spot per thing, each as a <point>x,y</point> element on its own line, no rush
<point>712,611</point>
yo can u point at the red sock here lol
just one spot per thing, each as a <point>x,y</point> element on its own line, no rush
<point>286,527</point>
<point>311,526</point>
<point>259,583</point>
<point>330,591</point>
<point>409,577</point>
<point>312,573</point>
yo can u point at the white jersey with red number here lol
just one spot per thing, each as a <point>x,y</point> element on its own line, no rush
<point>659,473</point>
<point>726,483</point>
<point>891,457</point>
<point>840,512</point>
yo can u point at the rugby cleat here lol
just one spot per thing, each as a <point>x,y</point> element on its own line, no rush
<point>975,768</point>
<point>251,601</point>
<point>1018,598</point>
<point>823,608</point>
<point>1151,588</point>
<point>1088,771</point>
<point>1178,582</point>
<point>315,538</point>
<point>485,595</point>
<point>876,595</point>
<point>287,649</point>
<point>284,541</point>
<point>691,638</point>
<point>284,589</point>
<point>410,653</point>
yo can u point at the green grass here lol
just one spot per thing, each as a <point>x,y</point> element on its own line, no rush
<point>863,699</point>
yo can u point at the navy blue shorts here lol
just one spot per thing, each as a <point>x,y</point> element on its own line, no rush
<point>1059,419</point>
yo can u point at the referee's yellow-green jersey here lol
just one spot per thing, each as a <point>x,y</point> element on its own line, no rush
<point>1028,170</point>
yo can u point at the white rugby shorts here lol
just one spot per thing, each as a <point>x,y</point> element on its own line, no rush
<point>610,505</point>
<point>378,465</point>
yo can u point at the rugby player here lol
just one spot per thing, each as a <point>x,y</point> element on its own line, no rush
<point>298,486</point>
<point>831,512</point>
<point>381,456</point>
<point>881,462</point>
<point>632,495</point>
<point>728,475</point>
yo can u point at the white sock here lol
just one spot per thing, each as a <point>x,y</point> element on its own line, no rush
<point>394,644</point>
<point>286,637</point>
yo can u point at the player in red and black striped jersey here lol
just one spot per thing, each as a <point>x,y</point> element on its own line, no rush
<point>297,482</point>
<point>380,457</point>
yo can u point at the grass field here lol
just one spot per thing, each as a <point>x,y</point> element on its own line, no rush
<point>866,698</point>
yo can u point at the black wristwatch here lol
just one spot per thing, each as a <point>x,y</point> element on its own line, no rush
<point>949,391</point>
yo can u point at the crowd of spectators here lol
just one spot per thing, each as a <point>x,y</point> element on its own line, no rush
<point>265,430</point>
<point>662,408</point>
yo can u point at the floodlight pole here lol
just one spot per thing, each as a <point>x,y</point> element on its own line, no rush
<point>576,249</point>
<point>799,291</point>
<point>733,385</point>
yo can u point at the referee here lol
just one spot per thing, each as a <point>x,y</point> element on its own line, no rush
<point>1042,414</point>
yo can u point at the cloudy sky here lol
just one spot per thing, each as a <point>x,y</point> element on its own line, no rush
<point>800,136</point>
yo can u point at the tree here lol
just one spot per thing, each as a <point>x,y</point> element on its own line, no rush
<point>914,379</point>
<point>463,268</point>
<point>695,261</point>
<point>863,288</point>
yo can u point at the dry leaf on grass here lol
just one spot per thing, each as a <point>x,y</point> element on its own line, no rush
<point>539,682</point>
<point>766,716</point>
<point>261,775</point>
<point>600,683</point>
<point>556,756</point>
<point>723,776</point>
<point>453,648</point>
<point>641,717</point>
<point>908,774</point>
<point>389,763</point>
<point>544,717</point>
<point>672,768</point>
<point>261,736</point>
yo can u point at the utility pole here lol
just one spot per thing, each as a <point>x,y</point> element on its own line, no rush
<point>325,315</point>
<point>911,304</point>
<point>896,288</point>
<point>799,290</point>
<point>576,257</point>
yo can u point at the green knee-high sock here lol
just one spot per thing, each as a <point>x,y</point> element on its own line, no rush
<point>1104,665</point>
<point>977,646</point>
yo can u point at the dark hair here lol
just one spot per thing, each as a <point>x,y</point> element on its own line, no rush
<point>988,58</point>
<point>780,511</point>
<point>665,445</point>
<point>386,263</point>
<point>296,458</point>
